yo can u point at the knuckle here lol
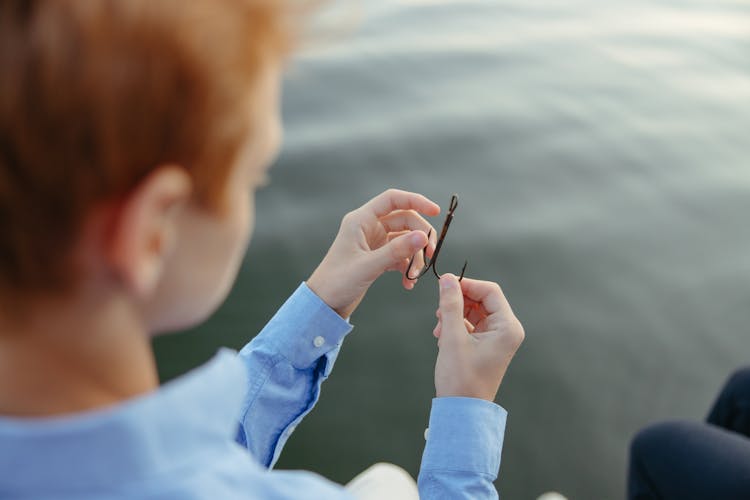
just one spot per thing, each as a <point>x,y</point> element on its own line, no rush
<point>348,218</point>
<point>391,192</point>
<point>517,332</point>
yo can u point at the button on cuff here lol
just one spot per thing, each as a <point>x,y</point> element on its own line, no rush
<point>319,341</point>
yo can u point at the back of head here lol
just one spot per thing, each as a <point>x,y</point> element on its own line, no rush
<point>94,94</point>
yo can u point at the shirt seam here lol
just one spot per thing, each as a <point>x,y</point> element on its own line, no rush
<point>256,386</point>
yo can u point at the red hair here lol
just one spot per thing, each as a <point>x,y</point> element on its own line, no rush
<point>94,94</point>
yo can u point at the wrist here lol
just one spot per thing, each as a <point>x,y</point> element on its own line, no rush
<point>319,285</point>
<point>460,385</point>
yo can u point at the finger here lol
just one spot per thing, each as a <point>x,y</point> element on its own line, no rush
<point>401,220</point>
<point>406,282</point>
<point>418,259</point>
<point>399,266</point>
<point>395,251</point>
<point>393,236</point>
<point>396,199</point>
<point>473,318</point>
<point>488,294</point>
<point>470,304</point>
<point>419,263</point>
<point>476,316</point>
<point>451,306</point>
<point>439,327</point>
<point>412,266</point>
<point>473,311</point>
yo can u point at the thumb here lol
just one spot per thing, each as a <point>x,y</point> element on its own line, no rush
<point>395,251</point>
<point>451,305</point>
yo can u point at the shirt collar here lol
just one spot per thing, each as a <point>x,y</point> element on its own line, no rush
<point>129,442</point>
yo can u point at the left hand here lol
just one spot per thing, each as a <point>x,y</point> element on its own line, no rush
<point>382,235</point>
<point>478,335</point>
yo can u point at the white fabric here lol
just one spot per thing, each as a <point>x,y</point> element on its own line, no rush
<point>384,481</point>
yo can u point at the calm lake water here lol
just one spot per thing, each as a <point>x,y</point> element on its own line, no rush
<point>602,158</point>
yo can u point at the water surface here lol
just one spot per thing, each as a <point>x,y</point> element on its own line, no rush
<point>600,150</point>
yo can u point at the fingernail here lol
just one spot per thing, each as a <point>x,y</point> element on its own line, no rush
<point>447,282</point>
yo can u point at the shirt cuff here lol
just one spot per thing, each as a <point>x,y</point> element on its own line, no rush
<point>465,434</point>
<point>316,331</point>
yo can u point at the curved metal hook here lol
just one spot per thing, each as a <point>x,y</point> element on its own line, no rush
<point>430,263</point>
<point>427,262</point>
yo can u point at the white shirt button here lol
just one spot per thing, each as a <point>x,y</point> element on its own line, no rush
<point>426,433</point>
<point>319,341</point>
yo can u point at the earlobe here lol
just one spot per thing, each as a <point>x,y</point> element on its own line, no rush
<point>145,229</point>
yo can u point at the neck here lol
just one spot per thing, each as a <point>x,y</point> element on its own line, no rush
<point>69,357</point>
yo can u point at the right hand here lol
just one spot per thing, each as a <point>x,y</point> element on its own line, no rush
<point>379,236</point>
<point>478,334</point>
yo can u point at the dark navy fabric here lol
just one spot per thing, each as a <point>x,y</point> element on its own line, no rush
<point>695,460</point>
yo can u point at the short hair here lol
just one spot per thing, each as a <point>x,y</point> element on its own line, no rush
<point>94,94</point>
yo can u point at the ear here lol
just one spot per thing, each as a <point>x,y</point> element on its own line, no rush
<point>145,229</point>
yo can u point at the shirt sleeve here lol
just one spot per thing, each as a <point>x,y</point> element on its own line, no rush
<point>287,362</point>
<point>461,458</point>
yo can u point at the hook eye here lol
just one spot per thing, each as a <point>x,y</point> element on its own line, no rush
<point>454,203</point>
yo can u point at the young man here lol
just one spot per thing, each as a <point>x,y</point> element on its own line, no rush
<point>133,134</point>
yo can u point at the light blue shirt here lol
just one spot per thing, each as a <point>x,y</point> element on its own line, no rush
<point>216,432</point>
